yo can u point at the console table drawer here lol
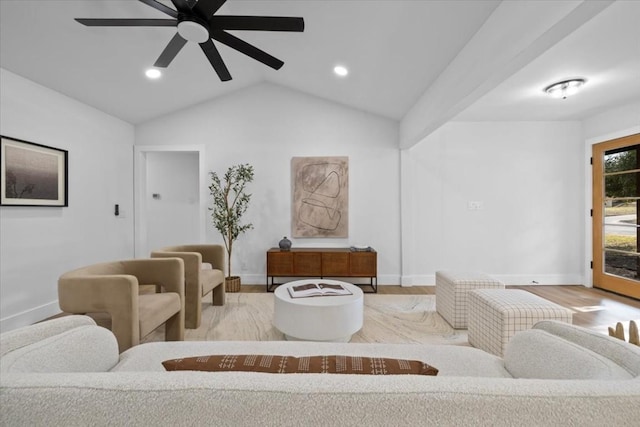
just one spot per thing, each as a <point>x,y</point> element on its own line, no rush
<point>307,264</point>
<point>280,263</point>
<point>363,264</point>
<point>335,264</point>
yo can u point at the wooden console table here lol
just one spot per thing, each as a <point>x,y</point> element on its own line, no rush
<point>322,263</point>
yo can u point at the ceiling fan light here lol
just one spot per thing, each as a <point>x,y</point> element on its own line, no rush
<point>193,32</point>
<point>564,88</point>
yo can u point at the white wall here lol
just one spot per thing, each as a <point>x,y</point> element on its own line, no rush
<point>528,177</point>
<point>612,124</point>
<point>266,125</point>
<point>39,243</point>
<point>174,216</point>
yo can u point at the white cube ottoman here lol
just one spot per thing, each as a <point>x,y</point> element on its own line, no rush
<point>451,294</point>
<point>495,315</point>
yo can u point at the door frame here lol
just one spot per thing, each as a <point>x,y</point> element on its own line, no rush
<point>613,283</point>
<point>140,190</point>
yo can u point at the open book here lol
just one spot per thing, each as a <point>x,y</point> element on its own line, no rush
<point>317,289</point>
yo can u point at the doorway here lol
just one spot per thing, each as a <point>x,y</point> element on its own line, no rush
<point>616,209</point>
<point>169,200</point>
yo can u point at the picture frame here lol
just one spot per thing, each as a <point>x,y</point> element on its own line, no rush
<point>32,174</point>
<point>320,196</point>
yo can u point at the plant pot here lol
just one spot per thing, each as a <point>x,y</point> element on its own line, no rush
<point>232,284</point>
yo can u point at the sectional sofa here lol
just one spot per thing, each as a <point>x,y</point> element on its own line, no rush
<point>68,372</point>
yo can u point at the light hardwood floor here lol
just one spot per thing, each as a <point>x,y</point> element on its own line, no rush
<point>592,307</point>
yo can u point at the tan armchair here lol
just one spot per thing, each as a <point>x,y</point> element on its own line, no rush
<point>113,288</point>
<point>199,281</point>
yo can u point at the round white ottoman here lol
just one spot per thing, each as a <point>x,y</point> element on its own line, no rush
<point>320,318</point>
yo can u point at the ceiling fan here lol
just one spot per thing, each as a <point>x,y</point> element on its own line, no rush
<point>197,22</point>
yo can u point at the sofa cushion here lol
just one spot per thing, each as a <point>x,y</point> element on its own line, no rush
<point>538,354</point>
<point>83,349</point>
<point>299,365</point>
<point>619,351</point>
<point>21,337</point>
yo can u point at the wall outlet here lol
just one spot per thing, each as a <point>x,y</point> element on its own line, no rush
<point>474,205</point>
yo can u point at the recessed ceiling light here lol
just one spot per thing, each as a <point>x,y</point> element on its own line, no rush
<point>340,70</point>
<point>564,88</point>
<point>153,73</point>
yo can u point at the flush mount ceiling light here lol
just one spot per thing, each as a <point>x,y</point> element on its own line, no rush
<point>340,70</point>
<point>564,88</point>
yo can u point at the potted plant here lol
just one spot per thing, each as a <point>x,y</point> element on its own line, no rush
<point>230,202</point>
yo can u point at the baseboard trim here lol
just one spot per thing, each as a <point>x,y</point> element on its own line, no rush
<point>423,280</point>
<point>508,279</point>
<point>540,279</point>
<point>430,279</point>
<point>29,317</point>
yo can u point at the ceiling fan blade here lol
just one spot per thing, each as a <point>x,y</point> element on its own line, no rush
<point>182,6</point>
<point>170,52</point>
<point>161,7</point>
<point>206,8</point>
<point>260,23</point>
<point>215,59</point>
<point>91,22</point>
<point>248,49</point>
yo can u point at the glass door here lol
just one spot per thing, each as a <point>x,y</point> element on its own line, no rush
<point>616,195</point>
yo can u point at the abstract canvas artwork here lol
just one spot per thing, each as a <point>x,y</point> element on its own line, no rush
<point>320,201</point>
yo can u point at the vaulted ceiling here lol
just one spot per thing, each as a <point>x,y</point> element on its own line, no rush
<point>402,56</point>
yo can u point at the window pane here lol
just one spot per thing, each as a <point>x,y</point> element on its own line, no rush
<point>622,185</point>
<point>618,161</point>
<point>621,257</point>
<point>627,243</point>
<point>625,210</point>
<point>621,226</point>
<point>623,265</point>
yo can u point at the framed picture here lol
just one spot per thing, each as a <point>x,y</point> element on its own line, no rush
<point>32,174</point>
<point>320,202</point>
